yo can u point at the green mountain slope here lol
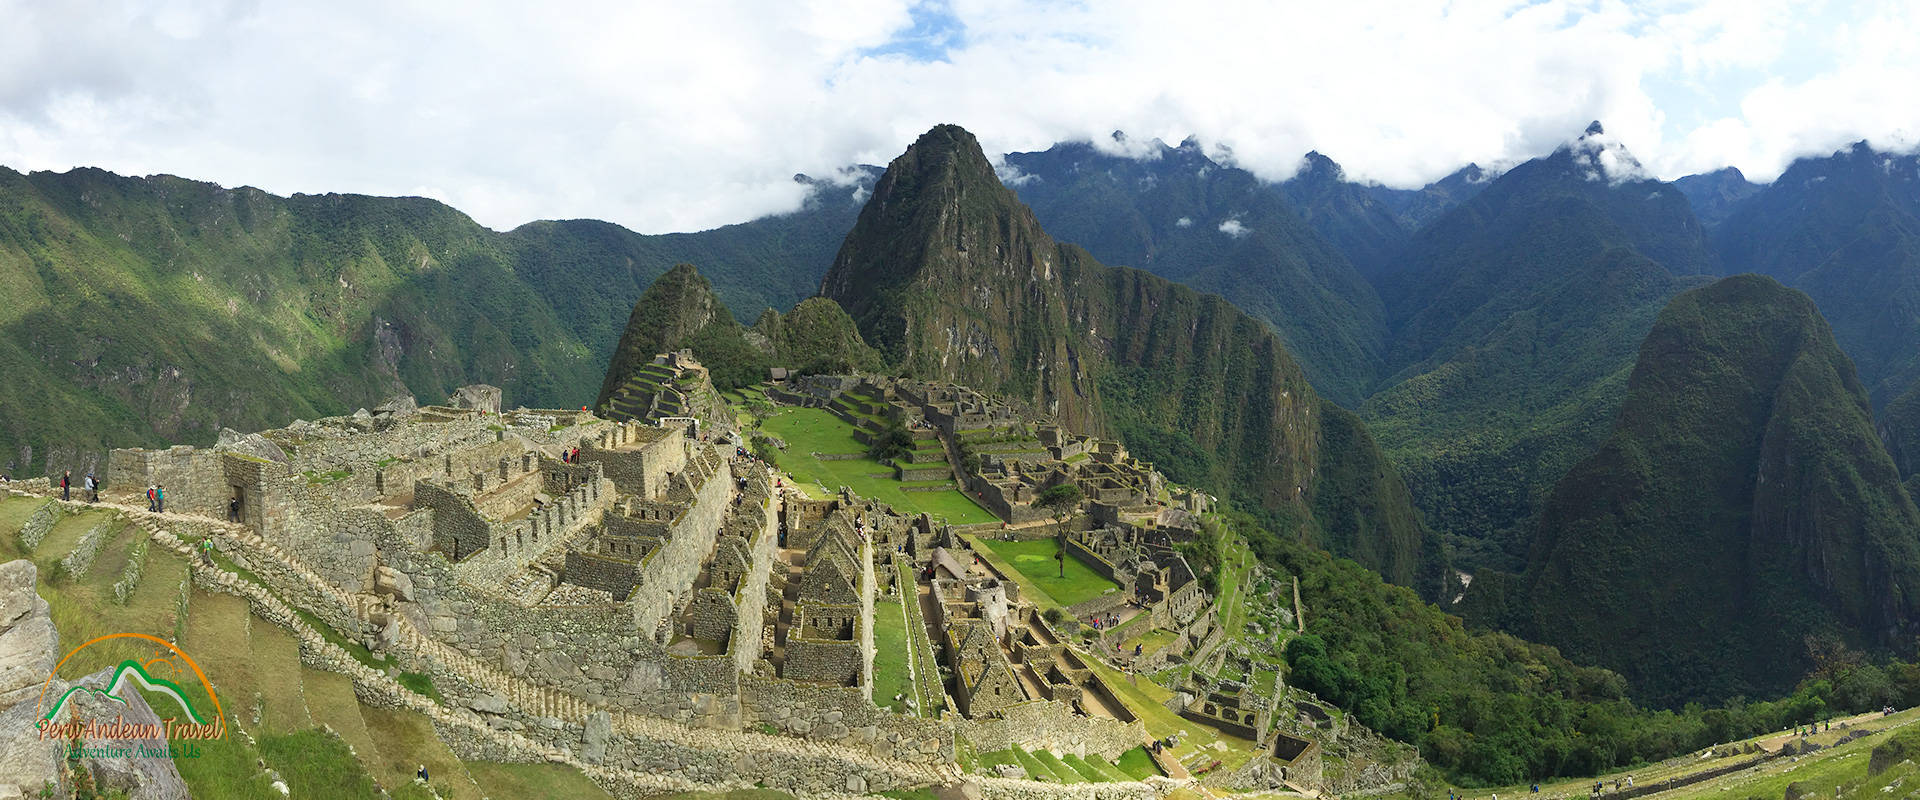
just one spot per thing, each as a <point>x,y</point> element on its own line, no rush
<point>1352,218</point>
<point>952,278</point>
<point>149,311</point>
<point>1515,318</point>
<point>1844,228</point>
<point>1714,194</point>
<point>1181,216</point>
<point>1741,504</point>
<point>158,310</point>
<point>680,311</point>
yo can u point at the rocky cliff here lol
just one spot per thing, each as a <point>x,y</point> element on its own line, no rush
<point>950,276</point>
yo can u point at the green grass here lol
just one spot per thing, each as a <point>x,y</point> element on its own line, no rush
<point>534,780</point>
<point>1065,773</point>
<point>316,764</point>
<point>1036,769</point>
<point>1137,763</point>
<point>811,430</point>
<point>927,681</point>
<point>1034,560</point>
<point>891,675</point>
<point>1094,769</point>
<point>419,683</point>
<point>407,740</point>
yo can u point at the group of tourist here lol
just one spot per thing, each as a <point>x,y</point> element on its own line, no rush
<point>570,456</point>
<point>92,485</point>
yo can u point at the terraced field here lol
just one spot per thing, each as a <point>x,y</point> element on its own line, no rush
<point>278,709</point>
<point>822,452</point>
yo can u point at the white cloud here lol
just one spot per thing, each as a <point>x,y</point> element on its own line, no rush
<point>677,116</point>
<point>1183,222</point>
<point>1233,228</point>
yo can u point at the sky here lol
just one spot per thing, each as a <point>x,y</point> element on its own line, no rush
<point>684,116</point>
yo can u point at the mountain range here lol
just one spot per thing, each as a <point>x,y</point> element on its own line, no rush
<point>1493,374</point>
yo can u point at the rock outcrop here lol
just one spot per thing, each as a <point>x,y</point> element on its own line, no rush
<point>28,645</point>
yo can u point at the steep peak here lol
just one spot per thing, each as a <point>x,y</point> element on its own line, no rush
<point>946,154</point>
<point>1317,168</point>
<point>1599,156</point>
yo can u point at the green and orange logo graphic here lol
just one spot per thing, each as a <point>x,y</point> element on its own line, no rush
<point>192,723</point>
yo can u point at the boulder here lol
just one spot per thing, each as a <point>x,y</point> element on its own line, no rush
<point>479,397</point>
<point>599,729</point>
<point>1891,752</point>
<point>134,776</point>
<point>390,581</point>
<point>488,703</point>
<point>249,444</point>
<point>28,647</point>
<point>399,405</point>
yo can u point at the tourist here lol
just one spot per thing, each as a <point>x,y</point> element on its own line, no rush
<point>233,510</point>
<point>93,489</point>
<point>1629,781</point>
<point>160,498</point>
<point>422,774</point>
<point>66,486</point>
<point>150,505</point>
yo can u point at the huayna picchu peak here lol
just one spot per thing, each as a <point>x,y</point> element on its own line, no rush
<point>953,278</point>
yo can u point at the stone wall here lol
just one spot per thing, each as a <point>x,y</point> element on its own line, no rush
<point>751,598</point>
<point>671,569</point>
<point>1093,560</point>
<point>615,575</point>
<point>640,464</point>
<point>834,662</point>
<point>192,477</point>
<point>39,524</point>
<point>1052,725</point>
<point>710,616</point>
<point>840,715</point>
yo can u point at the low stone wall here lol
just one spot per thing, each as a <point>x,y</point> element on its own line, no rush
<point>1052,725</point>
<point>839,714</point>
<point>39,524</point>
<point>1093,560</point>
<point>828,661</point>
<point>1099,605</point>
<point>614,575</point>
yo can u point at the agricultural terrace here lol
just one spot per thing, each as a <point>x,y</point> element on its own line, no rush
<point>822,452</point>
<point>1039,572</point>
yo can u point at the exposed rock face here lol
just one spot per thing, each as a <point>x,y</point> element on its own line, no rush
<point>400,405</point>
<point>29,649</point>
<point>28,645</point>
<point>951,277</point>
<point>141,775</point>
<point>250,444</point>
<point>479,397</point>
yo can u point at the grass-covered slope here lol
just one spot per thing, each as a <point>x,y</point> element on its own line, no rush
<point>153,310</point>
<point>950,276</point>
<point>1741,504</point>
<point>146,311</point>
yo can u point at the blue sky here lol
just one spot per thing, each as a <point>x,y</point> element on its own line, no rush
<point>666,116</point>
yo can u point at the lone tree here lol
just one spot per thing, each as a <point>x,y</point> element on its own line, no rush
<point>892,442</point>
<point>1061,500</point>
